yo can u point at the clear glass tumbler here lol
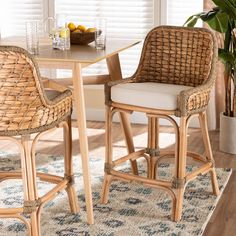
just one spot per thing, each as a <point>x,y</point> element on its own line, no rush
<point>100,33</point>
<point>32,37</point>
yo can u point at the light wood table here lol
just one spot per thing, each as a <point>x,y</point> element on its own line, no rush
<point>76,59</point>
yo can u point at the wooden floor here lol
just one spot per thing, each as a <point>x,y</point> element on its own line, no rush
<point>223,220</point>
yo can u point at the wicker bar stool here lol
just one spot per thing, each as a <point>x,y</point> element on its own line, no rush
<point>174,78</point>
<point>25,109</point>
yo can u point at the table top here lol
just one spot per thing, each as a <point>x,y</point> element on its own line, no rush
<point>78,53</point>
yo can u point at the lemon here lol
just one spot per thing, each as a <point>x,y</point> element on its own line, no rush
<point>71,26</point>
<point>64,33</point>
<point>81,28</point>
<point>90,30</point>
<point>76,31</point>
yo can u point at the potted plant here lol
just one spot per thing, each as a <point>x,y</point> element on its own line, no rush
<point>222,18</point>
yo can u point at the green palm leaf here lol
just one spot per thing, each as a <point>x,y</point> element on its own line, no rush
<point>227,6</point>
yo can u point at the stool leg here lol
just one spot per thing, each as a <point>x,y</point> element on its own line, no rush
<point>209,155</point>
<point>114,69</point>
<point>68,165</point>
<point>29,185</point>
<point>108,155</point>
<point>153,145</point>
<point>105,188</point>
<point>125,123</point>
<point>36,190</point>
<point>180,166</point>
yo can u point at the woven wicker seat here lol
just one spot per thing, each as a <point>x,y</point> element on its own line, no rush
<point>25,108</point>
<point>177,68</point>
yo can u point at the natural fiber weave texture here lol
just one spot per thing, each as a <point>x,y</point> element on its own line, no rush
<point>82,38</point>
<point>24,106</point>
<point>181,56</point>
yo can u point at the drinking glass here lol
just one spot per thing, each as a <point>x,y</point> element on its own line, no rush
<point>32,38</point>
<point>100,33</point>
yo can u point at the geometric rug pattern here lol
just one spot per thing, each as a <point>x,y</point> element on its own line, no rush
<point>133,209</point>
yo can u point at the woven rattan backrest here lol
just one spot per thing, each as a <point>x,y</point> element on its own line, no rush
<point>176,55</point>
<point>21,92</point>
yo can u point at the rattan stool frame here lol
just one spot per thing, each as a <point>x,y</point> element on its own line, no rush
<point>162,43</point>
<point>26,109</point>
<point>33,204</point>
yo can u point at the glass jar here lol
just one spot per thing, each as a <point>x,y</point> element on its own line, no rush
<point>64,32</point>
<point>64,38</point>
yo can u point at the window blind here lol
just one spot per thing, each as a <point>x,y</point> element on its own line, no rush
<point>15,13</point>
<point>125,20</point>
<point>178,11</point>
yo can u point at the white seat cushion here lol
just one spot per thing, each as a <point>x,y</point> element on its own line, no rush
<point>148,94</point>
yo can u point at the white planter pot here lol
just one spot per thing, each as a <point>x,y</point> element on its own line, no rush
<point>227,134</point>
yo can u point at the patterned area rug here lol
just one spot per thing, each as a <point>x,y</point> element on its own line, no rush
<point>132,209</point>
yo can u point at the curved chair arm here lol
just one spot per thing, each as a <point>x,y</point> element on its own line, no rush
<point>194,100</point>
<point>30,109</point>
<point>49,103</point>
<point>59,97</point>
<point>108,86</point>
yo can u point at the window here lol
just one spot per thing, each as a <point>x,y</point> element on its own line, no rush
<point>178,11</point>
<point>14,14</point>
<point>125,20</point>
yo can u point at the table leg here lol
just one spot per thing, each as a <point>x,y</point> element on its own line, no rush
<point>113,65</point>
<point>83,141</point>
